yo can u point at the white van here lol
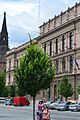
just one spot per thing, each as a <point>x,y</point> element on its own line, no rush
<point>2,99</point>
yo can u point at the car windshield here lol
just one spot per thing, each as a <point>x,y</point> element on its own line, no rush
<point>8,100</point>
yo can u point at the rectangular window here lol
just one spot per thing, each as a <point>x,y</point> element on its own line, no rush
<point>9,64</point>
<point>56,45</point>
<point>63,42</point>
<point>70,40</point>
<point>9,79</point>
<point>71,64</point>
<point>63,65</point>
<point>45,47</point>
<point>50,48</point>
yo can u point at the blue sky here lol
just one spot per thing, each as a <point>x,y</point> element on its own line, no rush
<point>25,16</point>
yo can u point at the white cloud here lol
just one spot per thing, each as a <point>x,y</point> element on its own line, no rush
<point>14,8</point>
<point>23,16</point>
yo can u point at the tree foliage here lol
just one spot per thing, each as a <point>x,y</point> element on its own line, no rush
<point>2,83</point>
<point>6,91</point>
<point>65,88</point>
<point>12,90</point>
<point>78,88</point>
<point>34,72</point>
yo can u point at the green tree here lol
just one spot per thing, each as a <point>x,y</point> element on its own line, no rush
<point>12,90</point>
<point>6,91</point>
<point>78,88</point>
<point>65,88</point>
<point>34,73</point>
<point>2,82</point>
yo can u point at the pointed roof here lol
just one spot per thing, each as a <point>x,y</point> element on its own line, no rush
<point>4,26</point>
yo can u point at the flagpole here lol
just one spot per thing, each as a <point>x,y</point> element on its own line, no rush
<point>75,76</point>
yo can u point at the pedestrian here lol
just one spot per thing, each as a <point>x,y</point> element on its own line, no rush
<point>45,113</point>
<point>39,112</point>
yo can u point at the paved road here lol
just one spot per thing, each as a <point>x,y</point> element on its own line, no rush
<point>25,113</point>
<point>15,113</point>
<point>64,115</point>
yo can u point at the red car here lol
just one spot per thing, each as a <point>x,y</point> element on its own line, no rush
<point>21,101</point>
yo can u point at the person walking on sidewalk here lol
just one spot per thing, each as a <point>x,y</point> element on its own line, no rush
<point>39,112</point>
<point>45,113</point>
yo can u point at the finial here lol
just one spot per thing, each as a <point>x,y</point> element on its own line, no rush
<point>4,12</point>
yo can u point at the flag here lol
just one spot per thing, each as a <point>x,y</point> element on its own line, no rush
<point>77,64</point>
<point>30,38</point>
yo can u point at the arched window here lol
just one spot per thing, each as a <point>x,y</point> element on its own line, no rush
<point>63,42</point>
<point>56,45</point>
<point>70,40</point>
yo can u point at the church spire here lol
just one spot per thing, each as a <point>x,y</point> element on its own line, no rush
<point>4,26</point>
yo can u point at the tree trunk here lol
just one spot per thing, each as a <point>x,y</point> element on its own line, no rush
<point>33,108</point>
<point>66,99</point>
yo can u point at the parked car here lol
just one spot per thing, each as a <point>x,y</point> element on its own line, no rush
<point>21,101</point>
<point>74,107</point>
<point>48,103</point>
<point>53,105</point>
<point>63,106</point>
<point>2,99</point>
<point>9,101</point>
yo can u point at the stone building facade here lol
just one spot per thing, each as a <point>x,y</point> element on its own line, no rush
<point>12,61</point>
<point>60,38</point>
